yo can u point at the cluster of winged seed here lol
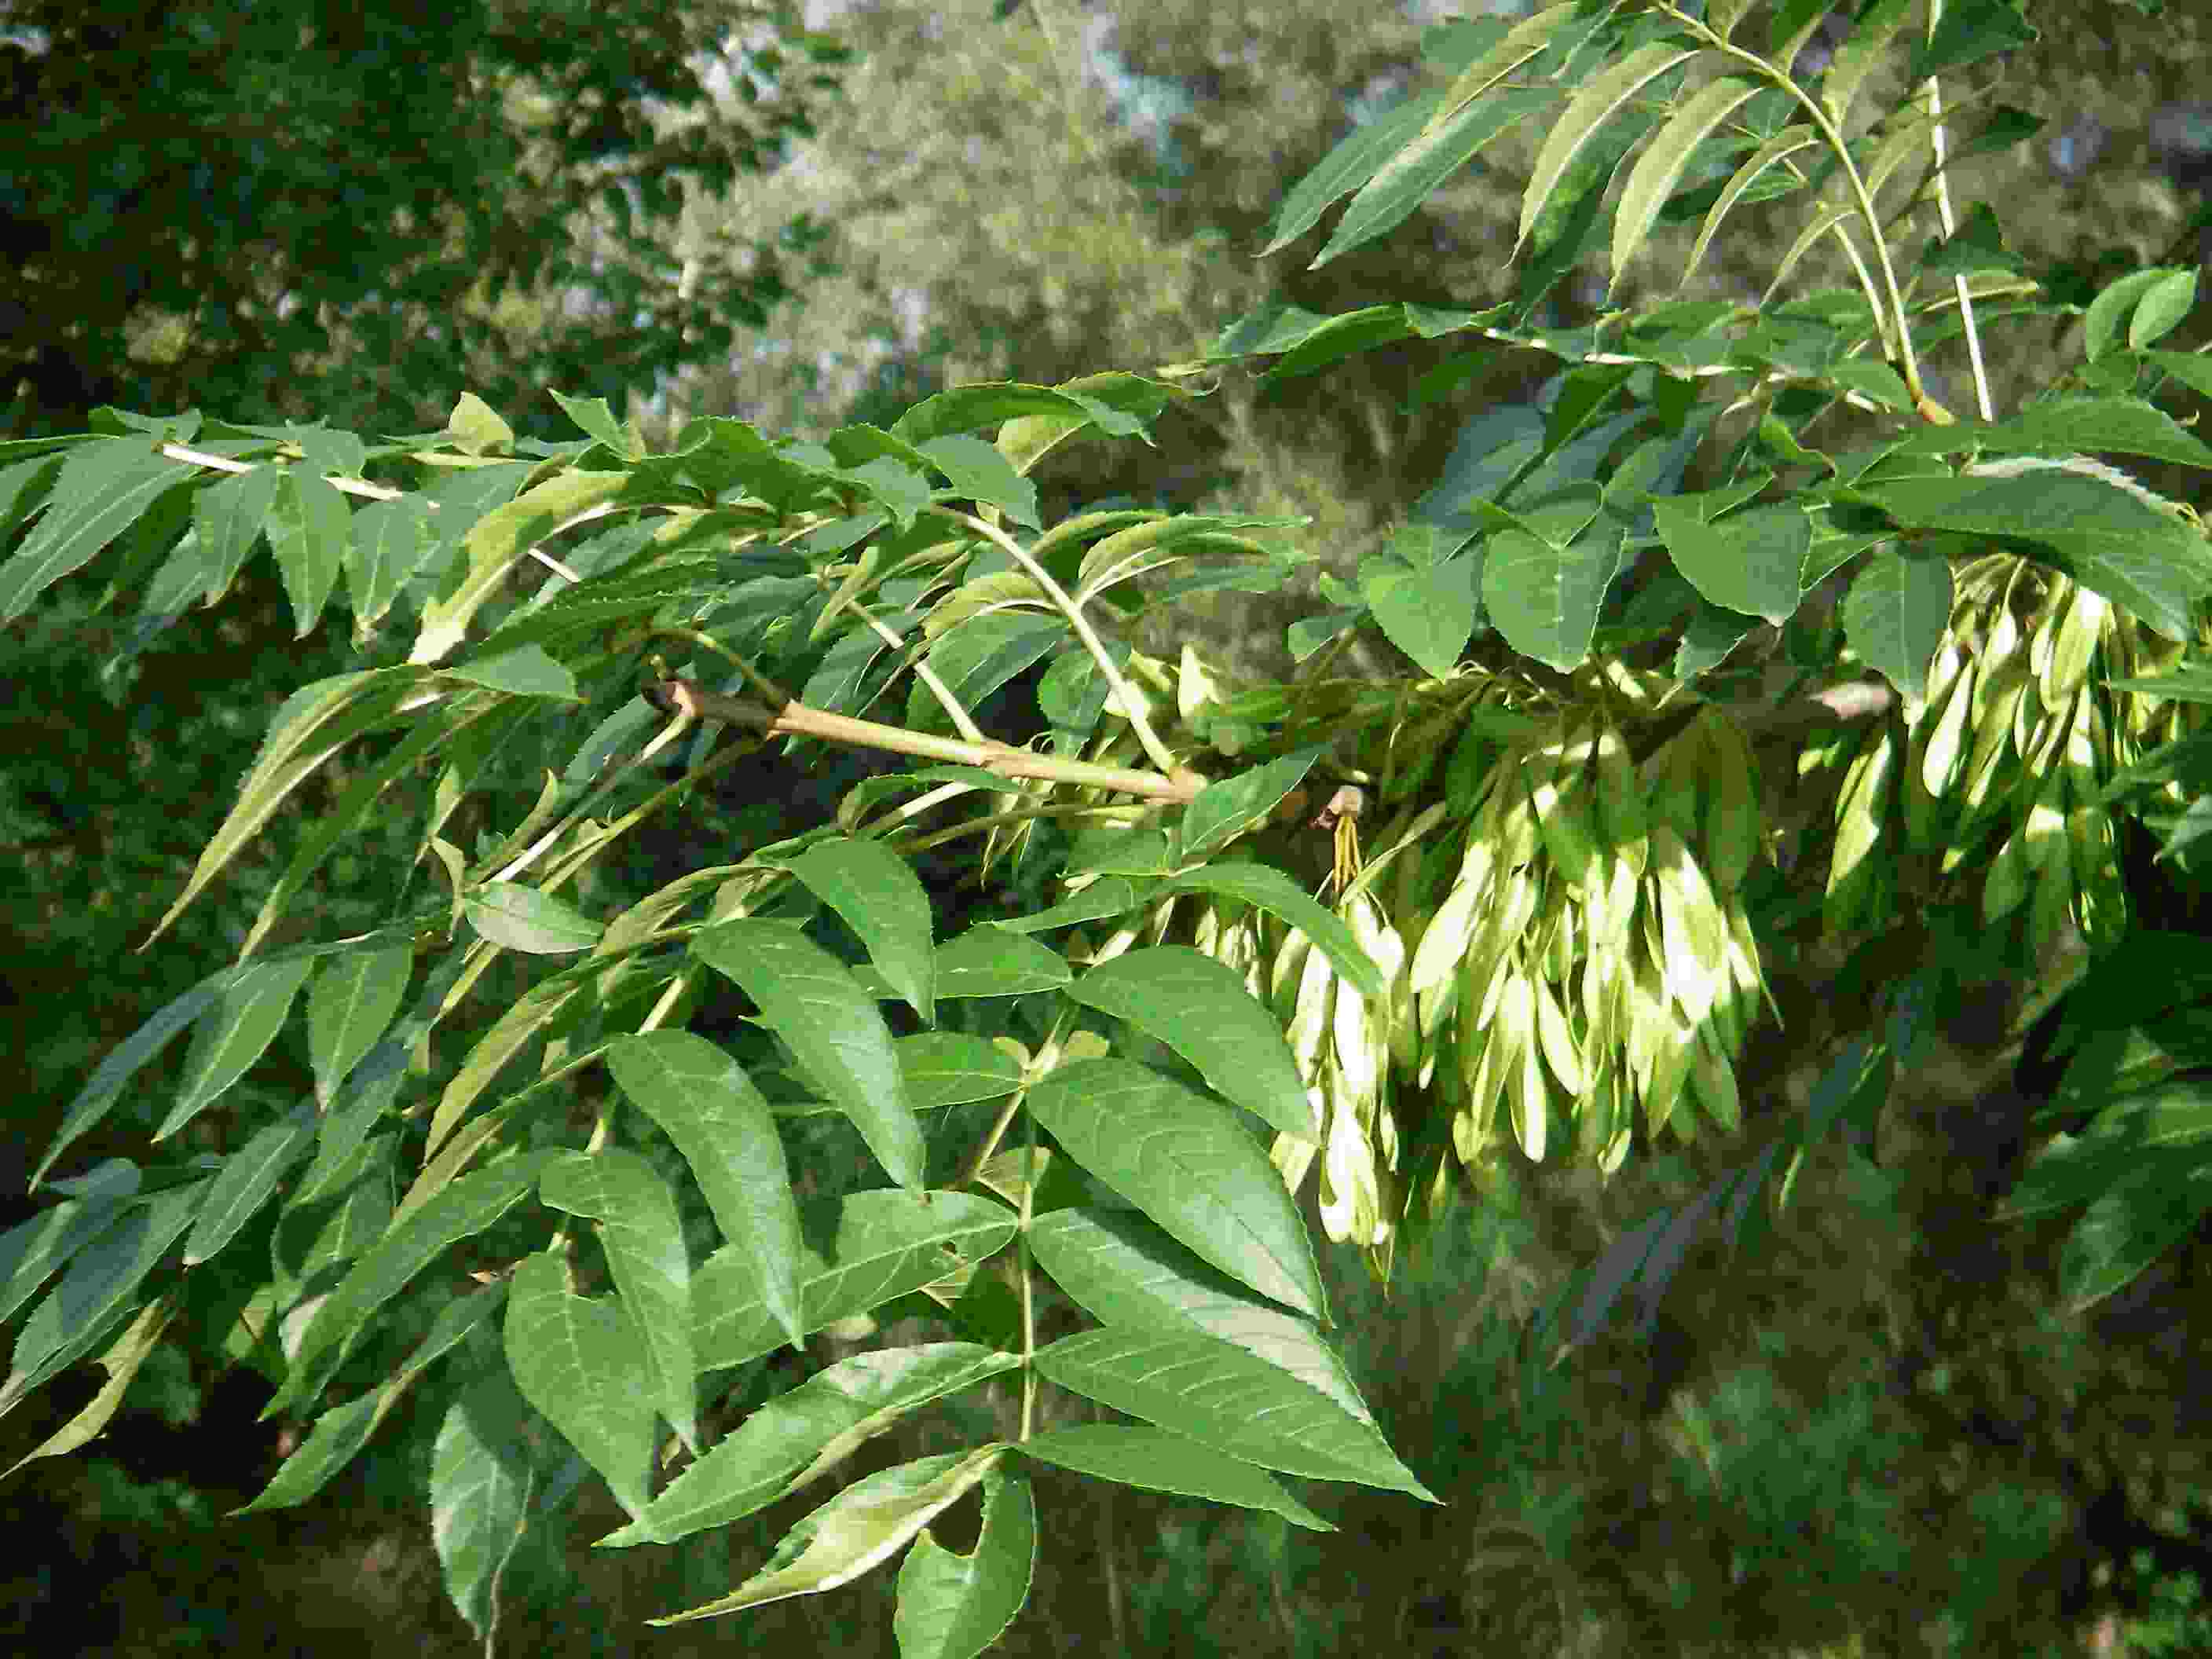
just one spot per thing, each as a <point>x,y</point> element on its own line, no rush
<point>1564,945</point>
<point>2012,750</point>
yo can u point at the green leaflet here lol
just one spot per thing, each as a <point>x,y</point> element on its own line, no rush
<point>810,999</point>
<point>102,489</point>
<point>709,1108</point>
<point>464,1208</point>
<point>1189,1164</point>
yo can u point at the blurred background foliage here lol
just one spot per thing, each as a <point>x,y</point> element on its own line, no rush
<point>1882,1433</point>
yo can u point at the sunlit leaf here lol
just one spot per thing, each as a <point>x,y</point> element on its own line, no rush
<point>1215,1392</point>
<point>519,1023</point>
<point>1784,144</point>
<point>952,1605</point>
<point>1896,614</point>
<point>1659,169</point>
<point>121,1362</point>
<point>498,540</point>
<point>233,1034</point>
<point>862,1528</point>
<point>479,1493</point>
<point>643,1239</point>
<point>810,999</point>
<point>1201,1010</point>
<point>1525,41</point>
<point>704,1102</point>
<point>858,1253</point>
<point>1122,1269</point>
<point>524,919</point>
<point>1190,1165</point>
<point>1428,614</point>
<point>349,1006</point>
<point>797,1437</point>
<point>882,900</point>
<point>1159,1462</point>
<point>580,1361</point>
<point>1600,100</point>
